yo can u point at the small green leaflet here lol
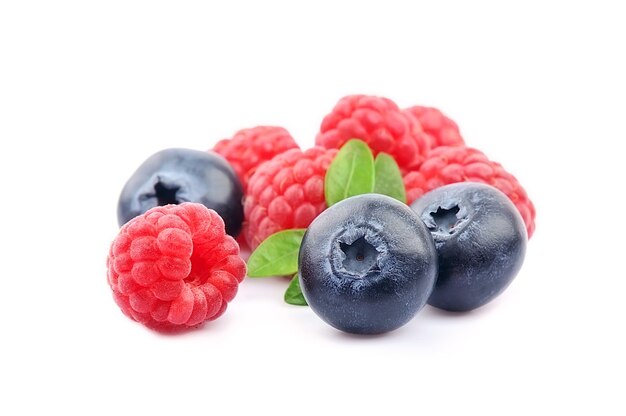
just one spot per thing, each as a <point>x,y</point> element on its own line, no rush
<point>293,294</point>
<point>388,178</point>
<point>350,173</point>
<point>277,255</point>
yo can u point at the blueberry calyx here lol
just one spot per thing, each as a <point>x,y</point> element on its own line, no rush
<point>161,190</point>
<point>445,220</point>
<point>166,194</point>
<point>358,252</point>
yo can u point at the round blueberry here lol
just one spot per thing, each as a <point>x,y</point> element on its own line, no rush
<point>174,176</point>
<point>367,264</point>
<point>480,239</point>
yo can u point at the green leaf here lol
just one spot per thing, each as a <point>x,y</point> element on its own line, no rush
<point>293,294</point>
<point>388,178</point>
<point>350,173</point>
<point>277,255</point>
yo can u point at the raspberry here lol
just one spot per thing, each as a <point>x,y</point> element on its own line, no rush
<point>380,123</point>
<point>440,130</point>
<point>446,165</point>
<point>286,192</point>
<point>248,148</point>
<point>174,267</point>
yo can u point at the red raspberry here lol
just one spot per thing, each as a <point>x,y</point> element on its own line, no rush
<point>440,130</point>
<point>446,165</point>
<point>248,148</point>
<point>174,267</point>
<point>286,192</point>
<point>380,123</point>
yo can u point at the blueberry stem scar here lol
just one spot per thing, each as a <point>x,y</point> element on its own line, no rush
<point>360,256</point>
<point>445,219</point>
<point>358,252</point>
<point>166,195</point>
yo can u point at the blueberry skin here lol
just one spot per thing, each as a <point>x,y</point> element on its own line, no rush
<point>367,264</point>
<point>174,176</point>
<point>480,239</point>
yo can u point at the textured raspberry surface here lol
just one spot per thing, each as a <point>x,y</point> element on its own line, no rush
<point>380,123</point>
<point>248,148</point>
<point>174,267</point>
<point>440,130</point>
<point>446,165</point>
<point>286,192</point>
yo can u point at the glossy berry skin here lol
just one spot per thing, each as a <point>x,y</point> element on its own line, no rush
<point>367,264</point>
<point>480,239</point>
<point>174,176</point>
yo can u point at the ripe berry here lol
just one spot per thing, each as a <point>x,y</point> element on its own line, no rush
<point>174,267</point>
<point>452,164</point>
<point>173,176</point>
<point>286,192</point>
<point>248,148</point>
<point>380,123</point>
<point>480,239</point>
<point>367,264</point>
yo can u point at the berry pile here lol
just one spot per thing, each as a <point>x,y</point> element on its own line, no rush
<point>389,210</point>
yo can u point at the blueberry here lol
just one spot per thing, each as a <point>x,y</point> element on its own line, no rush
<point>480,239</point>
<point>173,176</point>
<point>367,264</point>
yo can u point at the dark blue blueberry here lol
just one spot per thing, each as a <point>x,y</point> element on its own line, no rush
<point>367,264</point>
<point>174,176</point>
<point>480,239</point>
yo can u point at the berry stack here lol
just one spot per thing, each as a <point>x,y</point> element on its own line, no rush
<point>389,211</point>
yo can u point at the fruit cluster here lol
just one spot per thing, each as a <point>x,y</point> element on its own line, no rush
<point>389,211</point>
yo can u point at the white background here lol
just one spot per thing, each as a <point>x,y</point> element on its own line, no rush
<point>88,90</point>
